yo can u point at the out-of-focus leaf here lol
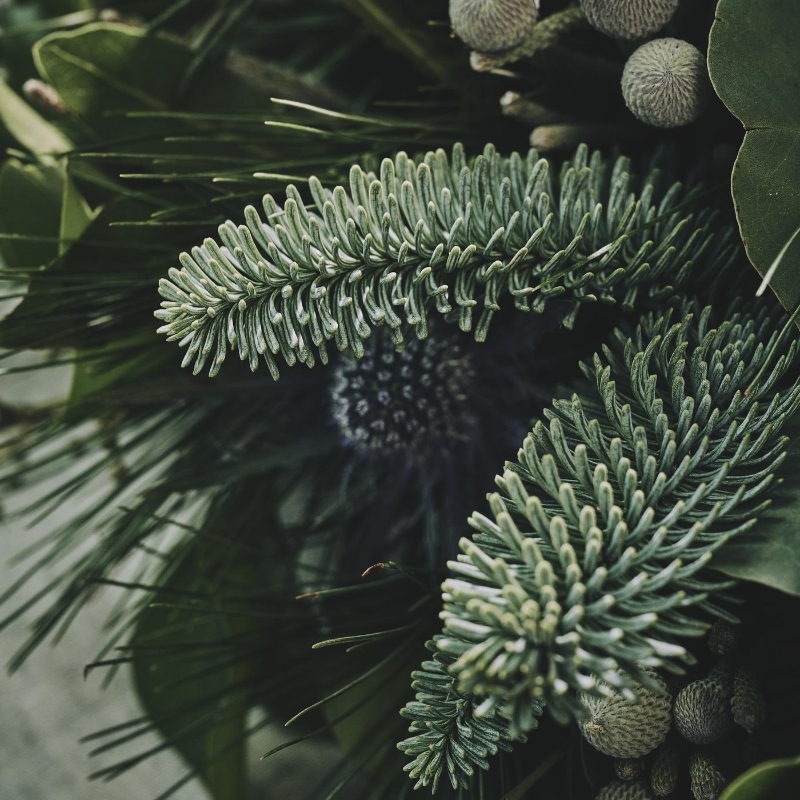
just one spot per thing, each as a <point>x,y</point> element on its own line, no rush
<point>104,69</point>
<point>754,64</point>
<point>772,780</point>
<point>194,697</point>
<point>30,213</point>
<point>27,126</point>
<point>76,214</point>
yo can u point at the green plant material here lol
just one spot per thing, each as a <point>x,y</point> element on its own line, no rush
<point>28,127</point>
<point>450,738</point>
<point>594,562</point>
<point>455,234</point>
<point>104,70</point>
<point>755,67</point>
<point>76,214</point>
<point>186,684</point>
<point>772,780</point>
<point>31,198</point>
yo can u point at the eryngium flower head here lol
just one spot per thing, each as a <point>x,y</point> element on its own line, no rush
<point>391,400</point>
<point>628,19</point>
<point>492,25</point>
<point>624,790</point>
<point>702,712</point>
<point>665,83</point>
<point>707,780</point>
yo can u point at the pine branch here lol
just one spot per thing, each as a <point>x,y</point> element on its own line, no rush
<point>593,567</point>
<point>447,233</point>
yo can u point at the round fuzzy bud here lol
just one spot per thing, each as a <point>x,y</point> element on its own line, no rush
<point>492,25</point>
<point>665,772</point>
<point>748,704</point>
<point>723,637</point>
<point>665,83</point>
<point>707,781</point>
<point>629,769</point>
<point>625,790</point>
<point>623,729</point>
<point>629,19</point>
<point>702,713</point>
<point>390,400</point>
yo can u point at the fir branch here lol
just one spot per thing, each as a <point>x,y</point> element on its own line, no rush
<point>448,734</point>
<point>443,233</point>
<point>593,567</point>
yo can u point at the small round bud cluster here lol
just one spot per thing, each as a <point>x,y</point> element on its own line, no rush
<point>665,772</point>
<point>390,400</point>
<point>43,95</point>
<point>748,704</point>
<point>624,790</point>
<point>707,780</point>
<point>665,83</point>
<point>702,712</point>
<point>623,729</point>
<point>629,19</point>
<point>723,638</point>
<point>629,769</point>
<point>490,26</point>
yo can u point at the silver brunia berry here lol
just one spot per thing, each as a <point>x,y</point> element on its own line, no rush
<point>628,19</point>
<point>489,26</point>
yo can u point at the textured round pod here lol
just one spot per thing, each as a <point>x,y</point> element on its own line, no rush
<point>665,772</point>
<point>390,400</point>
<point>620,728</point>
<point>665,83</point>
<point>748,704</point>
<point>629,769</point>
<point>702,713</point>
<point>492,25</point>
<point>628,19</point>
<point>707,781</point>
<point>723,638</point>
<point>625,790</point>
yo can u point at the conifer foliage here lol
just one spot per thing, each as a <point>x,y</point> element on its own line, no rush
<point>592,566</point>
<point>447,233</point>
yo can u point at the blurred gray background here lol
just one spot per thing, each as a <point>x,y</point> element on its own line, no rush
<point>47,706</point>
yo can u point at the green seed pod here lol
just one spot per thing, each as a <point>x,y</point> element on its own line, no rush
<point>702,713</point>
<point>748,704</point>
<point>665,83</point>
<point>623,729</point>
<point>665,771</point>
<point>625,790</point>
<point>723,638</point>
<point>629,19</point>
<point>707,781</point>
<point>629,769</point>
<point>492,25</point>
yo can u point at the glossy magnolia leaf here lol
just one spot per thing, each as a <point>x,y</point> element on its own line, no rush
<point>103,70</point>
<point>189,684</point>
<point>754,64</point>
<point>772,780</point>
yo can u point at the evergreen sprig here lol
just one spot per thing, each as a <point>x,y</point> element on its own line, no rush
<point>448,735</point>
<point>593,565</point>
<point>449,233</point>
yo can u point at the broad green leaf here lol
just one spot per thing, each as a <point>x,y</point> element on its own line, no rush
<point>754,64</point>
<point>772,780</point>
<point>27,126</point>
<point>30,213</point>
<point>76,214</point>
<point>769,553</point>
<point>104,69</point>
<point>192,694</point>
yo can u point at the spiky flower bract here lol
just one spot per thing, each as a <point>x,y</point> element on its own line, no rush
<point>452,235</point>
